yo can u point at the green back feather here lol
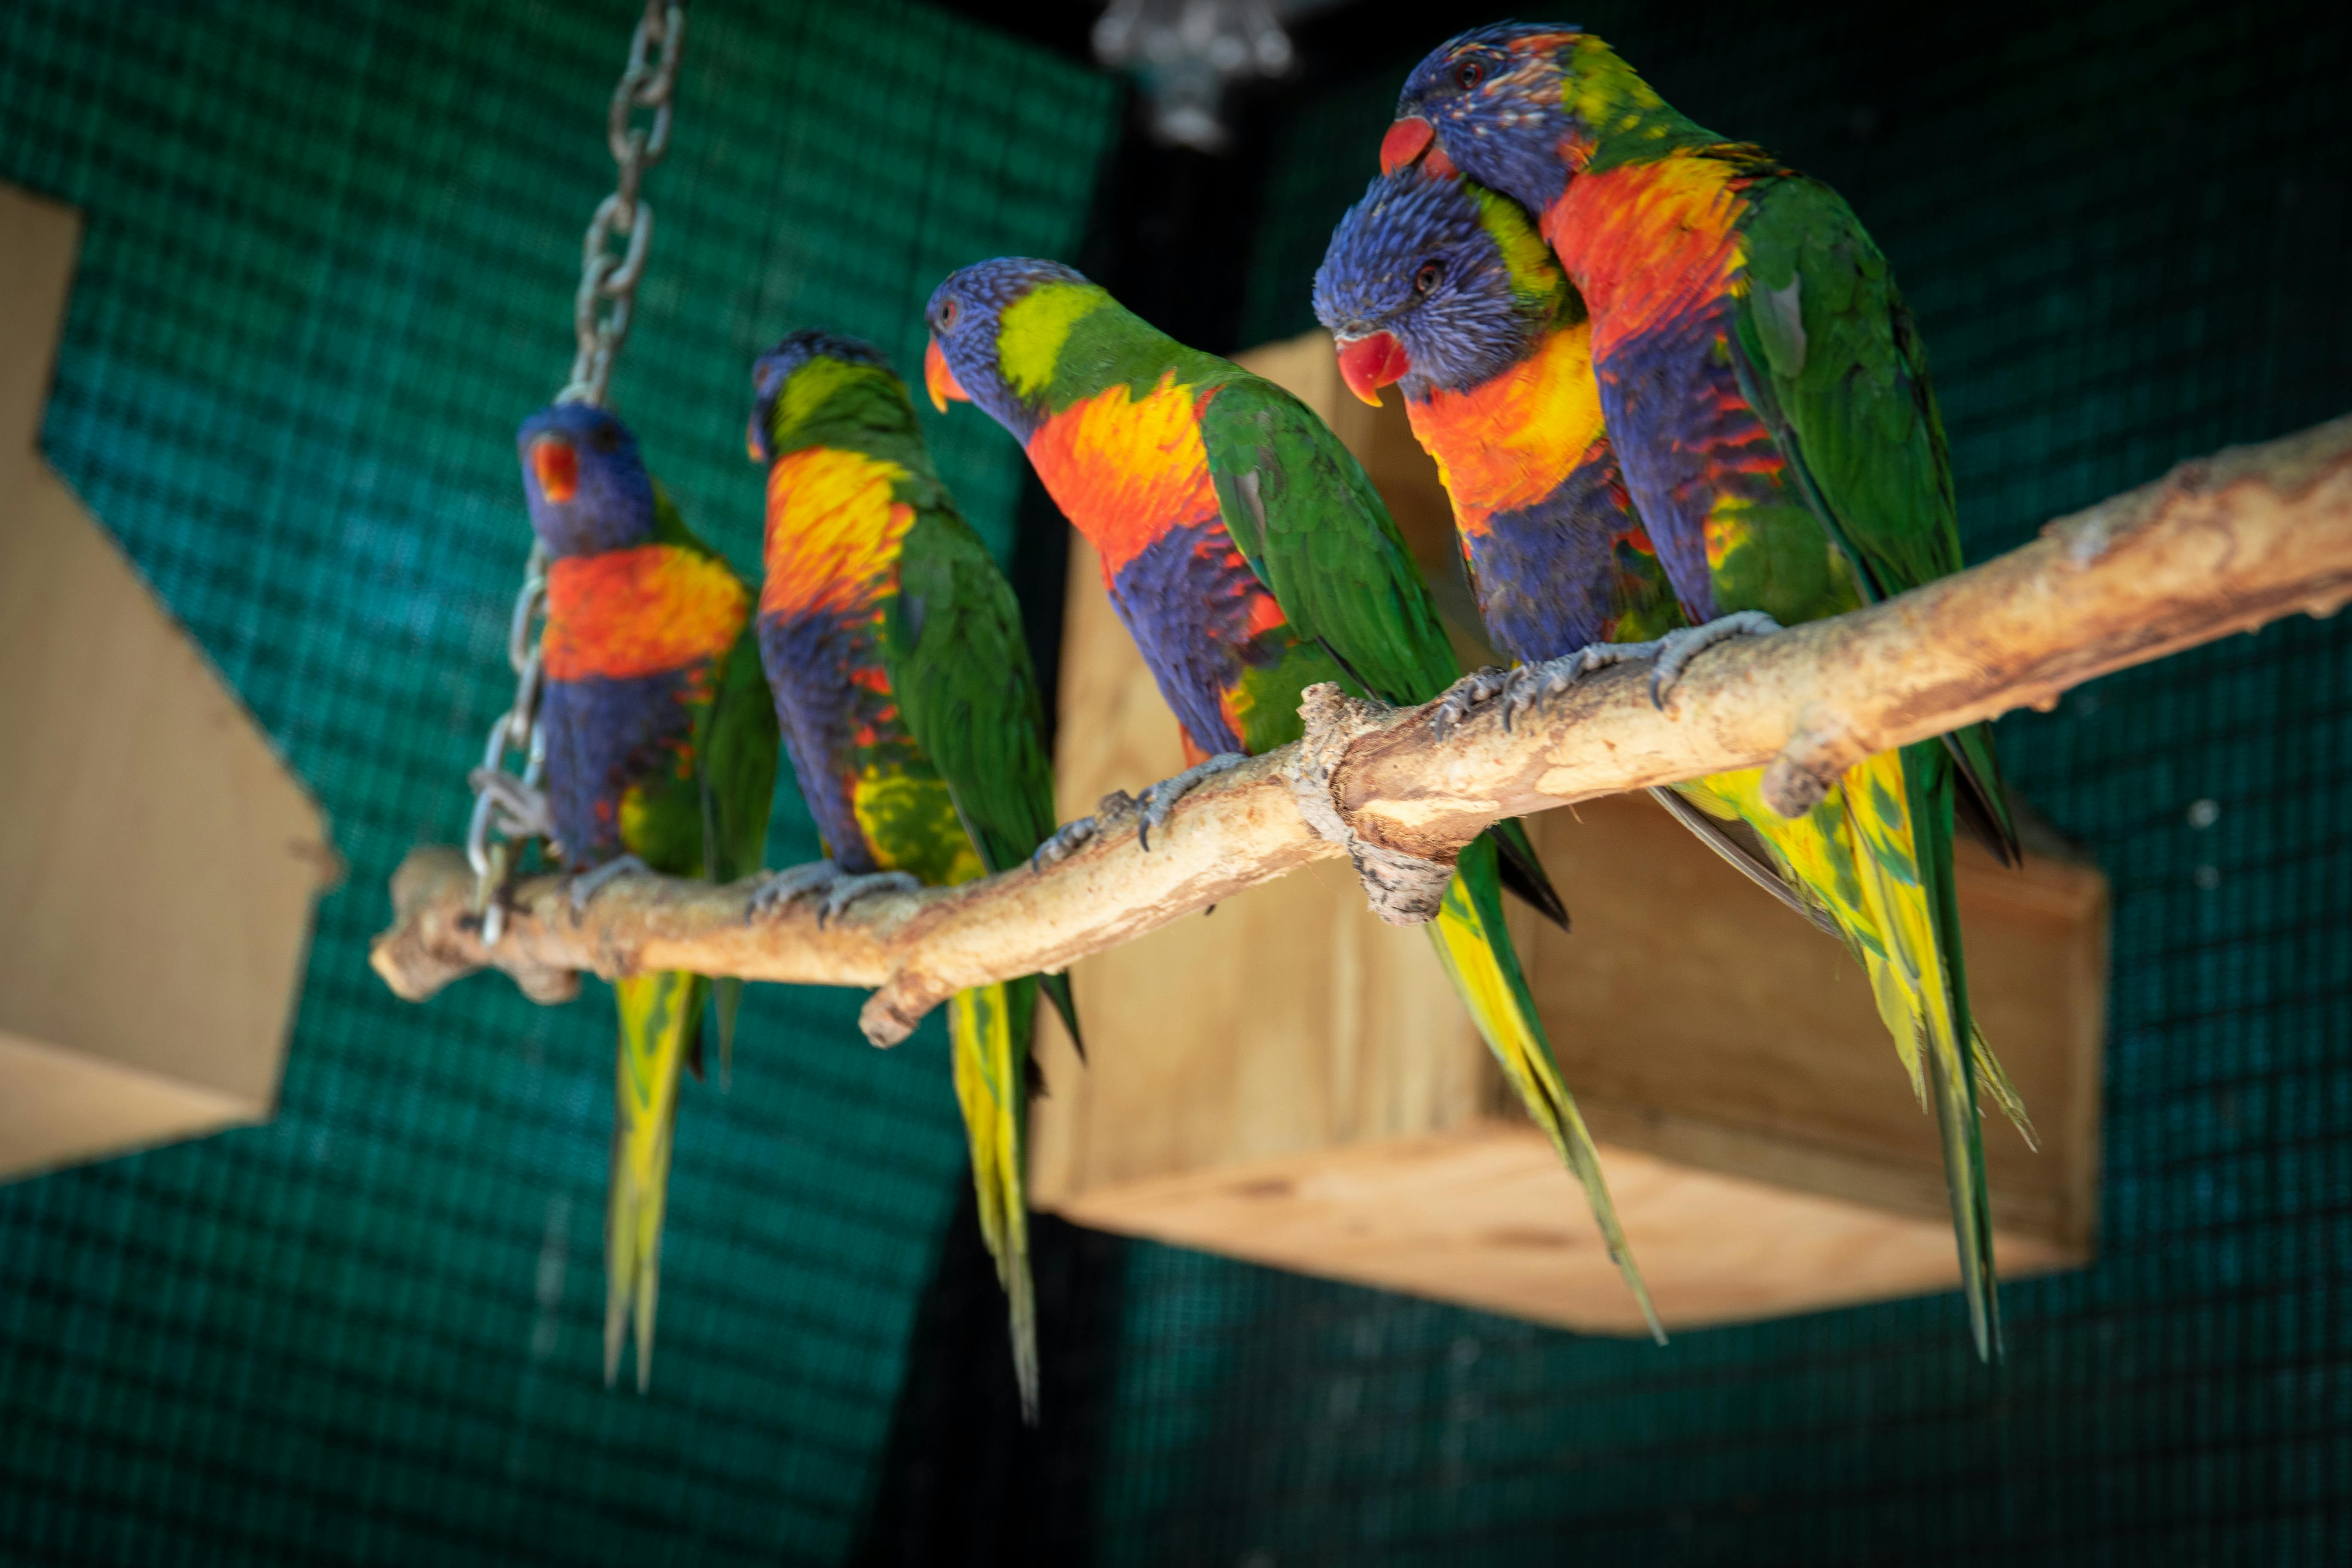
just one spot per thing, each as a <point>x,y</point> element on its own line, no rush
<point>1829,357</point>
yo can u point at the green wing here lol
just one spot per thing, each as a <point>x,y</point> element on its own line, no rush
<point>961,672</point>
<point>1312,526</point>
<point>738,766</point>
<point>1318,534</point>
<point>735,747</point>
<point>739,785</point>
<point>1831,359</point>
<point>960,668</point>
<point>1845,387</point>
<point>735,740</point>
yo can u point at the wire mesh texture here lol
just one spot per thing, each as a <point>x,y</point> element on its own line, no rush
<point>2123,229</point>
<point>329,264</point>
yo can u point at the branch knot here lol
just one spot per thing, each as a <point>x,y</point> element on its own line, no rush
<point>1810,764</point>
<point>1405,888</point>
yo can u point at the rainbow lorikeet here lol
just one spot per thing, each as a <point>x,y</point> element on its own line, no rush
<point>661,755</point>
<point>1249,557</point>
<point>911,715</point>
<point>1768,399</point>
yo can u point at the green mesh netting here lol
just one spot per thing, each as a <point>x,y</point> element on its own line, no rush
<point>329,265</point>
<point>2124,229</point>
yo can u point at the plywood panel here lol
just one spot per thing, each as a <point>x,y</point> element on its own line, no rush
<point>1484,1217</point>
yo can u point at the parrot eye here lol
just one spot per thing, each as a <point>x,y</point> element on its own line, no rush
<point>1469,74</point>
<point>1426,279</point>
<point>605,439</point>
<point>948,314</point>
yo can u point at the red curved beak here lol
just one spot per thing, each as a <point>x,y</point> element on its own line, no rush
<point>751,438</point>
<point>557,466</point>
<point>940,379</point>
<point>1366,364</point>
<point>1406,140</point>
<point>1415,141</point>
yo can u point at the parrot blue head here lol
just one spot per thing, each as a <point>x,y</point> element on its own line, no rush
<point>588,489</point>
<point>988,314</point>
<point>1417,290</point>
<point>794,352</point>
<point>1494,102</point>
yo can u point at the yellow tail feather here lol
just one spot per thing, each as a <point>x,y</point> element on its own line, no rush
<point>659,1015</point>
<point>1476,952</point>
<point>1856,856</point>
<point>1876,900</point>
<point>988,1028</point>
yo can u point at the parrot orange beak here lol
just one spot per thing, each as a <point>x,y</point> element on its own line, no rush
<point>751,438</point>
<point>1366,364</point>
<point>940,380</point>
<point>1406,140</point>
<point>1414,140</point>
<point>558,468</point>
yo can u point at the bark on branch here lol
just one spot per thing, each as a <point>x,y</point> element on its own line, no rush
<point>2220,545</point>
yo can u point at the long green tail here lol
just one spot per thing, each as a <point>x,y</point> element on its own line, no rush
<point>660,1014</point>
<point>1476,947</point>
<point>1875,857</point>
<point>988,1028</point>
<point>1930,780</point>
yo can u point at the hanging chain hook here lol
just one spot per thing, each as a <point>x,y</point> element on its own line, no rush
<point>512,808</point>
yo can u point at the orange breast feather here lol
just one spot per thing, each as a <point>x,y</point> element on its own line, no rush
<point>833,532</point>
<point>646,611</point>
<point>1648,242</point>
<point>1125,469</point>
<point>1510,442</point>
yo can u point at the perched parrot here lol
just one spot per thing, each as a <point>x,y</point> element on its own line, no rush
<point>1769,399</point>
<point>911,716</point>
<point>1249,557</point>
<point>661,755</point>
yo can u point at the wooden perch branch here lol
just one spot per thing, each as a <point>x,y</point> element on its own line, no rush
<point>2220,545</point>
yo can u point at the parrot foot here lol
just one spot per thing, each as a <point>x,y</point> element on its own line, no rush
<point>1161,798</point>
<point>780,889</point>
<point>1067,841</point>
<point>588,884</point>
<point>1533,685</point>
<point>846,891</point>
<point>1678,648</point>
<point>1474,689</point>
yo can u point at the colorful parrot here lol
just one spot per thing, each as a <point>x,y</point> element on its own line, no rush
<point>1769,399</point>
<point>661,755</point>
<point>911,716</point>
<point>1249,557</point>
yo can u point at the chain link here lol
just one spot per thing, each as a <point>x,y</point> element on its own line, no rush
<point>608,283</point>
<point>512,808</point>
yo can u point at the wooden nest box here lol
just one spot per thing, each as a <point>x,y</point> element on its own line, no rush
<point>158,862</point>
<point>1288,1080</point>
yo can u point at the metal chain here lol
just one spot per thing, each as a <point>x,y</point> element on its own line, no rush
<point>510,808</point>
<point>608,283</point>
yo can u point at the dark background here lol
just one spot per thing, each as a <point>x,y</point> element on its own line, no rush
<point>328,267</point>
